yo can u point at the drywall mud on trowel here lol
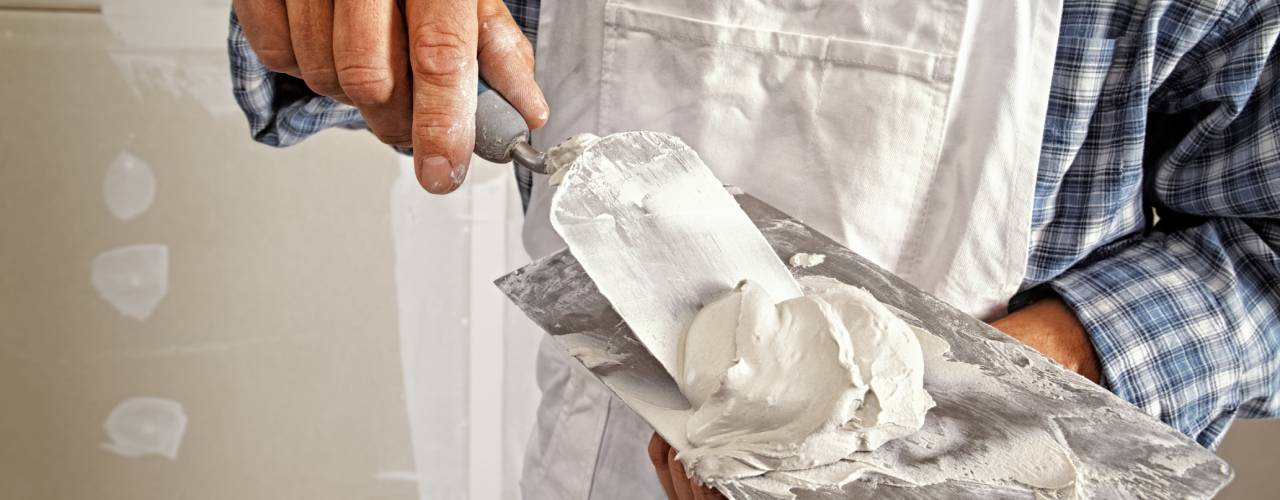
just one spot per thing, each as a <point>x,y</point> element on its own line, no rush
<point>652,237</point>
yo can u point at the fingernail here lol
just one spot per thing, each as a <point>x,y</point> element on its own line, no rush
<point>436,174</point>
<point>459,173</point>
<point>546,108</point>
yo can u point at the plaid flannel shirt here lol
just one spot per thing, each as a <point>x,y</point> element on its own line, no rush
<point>1157,203</point>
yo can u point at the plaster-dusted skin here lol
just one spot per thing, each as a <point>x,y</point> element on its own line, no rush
<point>797,384</point>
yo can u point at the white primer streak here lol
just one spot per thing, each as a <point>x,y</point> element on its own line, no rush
<point>430,245</point>
<point>129,186</point>
<point>132,278</point>
<point>487,188</point>
<point>145,426</point>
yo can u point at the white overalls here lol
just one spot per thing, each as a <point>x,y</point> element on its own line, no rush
<point>908,130</point>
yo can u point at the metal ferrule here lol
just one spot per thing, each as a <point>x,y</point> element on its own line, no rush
<point>527,156</point>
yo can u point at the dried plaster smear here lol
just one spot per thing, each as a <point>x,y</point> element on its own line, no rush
<point>790,384</point>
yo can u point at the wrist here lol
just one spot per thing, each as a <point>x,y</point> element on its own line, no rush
<point>1050,327</point>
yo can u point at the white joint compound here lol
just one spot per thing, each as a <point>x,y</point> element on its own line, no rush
<point>797,384</point>
<point>561,155</point>
<point>807,259</point>
<point>138,427</point>
<point>650,224</point>
<point>129,187</point>
<point>132,278</point>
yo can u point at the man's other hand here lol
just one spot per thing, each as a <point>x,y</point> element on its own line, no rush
<point>410,70</point>
<point>1051,328</point>
<point>672,475</point>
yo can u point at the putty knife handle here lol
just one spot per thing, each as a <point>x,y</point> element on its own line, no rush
<point>501,133</point>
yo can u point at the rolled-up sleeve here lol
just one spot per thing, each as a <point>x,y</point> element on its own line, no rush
<point>1185,323</point>
<point>281,110</point>
<point>1185,318</point>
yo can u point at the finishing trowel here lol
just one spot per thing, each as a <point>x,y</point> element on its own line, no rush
<point>994,396</point>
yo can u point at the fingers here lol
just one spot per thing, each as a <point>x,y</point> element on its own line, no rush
<point>311,33</point>
<point>442,54</point>
<point>266,26</point>
<point>658,450</point>
<point>370,58</point>
<point>506,62</point>
<point>679,479</point>
<point>702,492</point>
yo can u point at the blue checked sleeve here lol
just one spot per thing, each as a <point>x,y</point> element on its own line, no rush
<point>1186,317</point>
<point>281,110</point>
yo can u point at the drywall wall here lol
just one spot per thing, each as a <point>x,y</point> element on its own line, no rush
<point>276,332</point>
<point>187,314</point>
<point>1250,447</point>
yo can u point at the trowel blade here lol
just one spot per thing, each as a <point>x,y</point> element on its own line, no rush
<point>1122,452</point>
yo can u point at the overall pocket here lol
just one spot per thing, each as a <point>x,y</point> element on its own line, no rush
<point>843,134</point>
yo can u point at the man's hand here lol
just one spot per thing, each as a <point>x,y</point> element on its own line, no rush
<point>672,476</point>
<point>1051,328</point>
<point>411,72</point>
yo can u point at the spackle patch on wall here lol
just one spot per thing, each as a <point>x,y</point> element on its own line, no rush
<point>132,278</point>
<point>129,187</point>
<point>138,427</point>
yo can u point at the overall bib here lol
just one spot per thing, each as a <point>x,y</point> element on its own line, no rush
<point>908,131</point>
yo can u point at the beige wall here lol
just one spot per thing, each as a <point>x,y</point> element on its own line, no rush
<point>1252,447</point>
<point>278,333</point>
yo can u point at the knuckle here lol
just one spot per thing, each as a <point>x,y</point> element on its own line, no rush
<point>439,55</point>
<point>525,50</point>
<point>498,37</point>
<point>400,138</point>
<point>323,81</point>
<point>366,85</point>
<point>437,127</point>
<point>276,59</point>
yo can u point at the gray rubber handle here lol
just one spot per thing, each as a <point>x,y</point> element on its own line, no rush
<point>499,127</point>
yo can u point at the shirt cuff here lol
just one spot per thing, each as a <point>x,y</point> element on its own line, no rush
<point>1160,335</point>
<point>281,110</point>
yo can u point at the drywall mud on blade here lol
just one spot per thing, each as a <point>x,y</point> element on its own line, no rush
<point>988,388</point>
